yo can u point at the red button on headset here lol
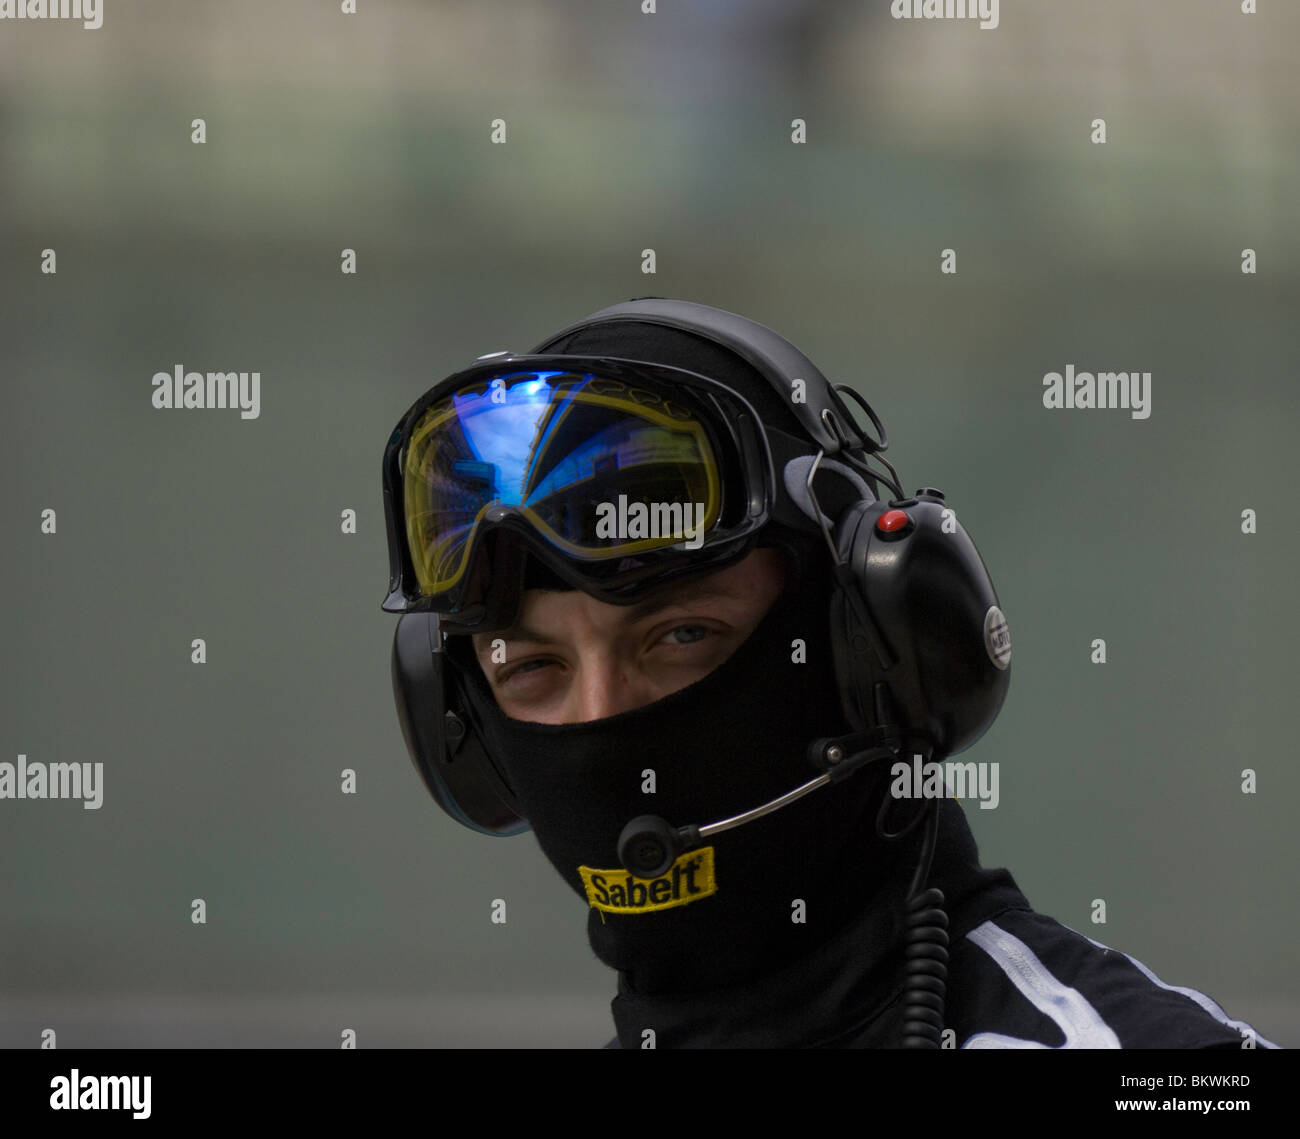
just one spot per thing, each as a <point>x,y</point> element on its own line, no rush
<point>892,520</point>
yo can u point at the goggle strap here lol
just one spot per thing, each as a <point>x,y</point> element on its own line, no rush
<point>785,511</point>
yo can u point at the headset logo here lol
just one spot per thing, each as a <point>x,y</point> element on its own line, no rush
<point>689,879</point>
<point>997,637</point>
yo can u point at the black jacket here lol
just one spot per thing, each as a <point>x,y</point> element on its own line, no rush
<point>1016,979</point>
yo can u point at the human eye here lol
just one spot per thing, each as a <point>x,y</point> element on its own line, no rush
<point>686,634</point>
<point>522,672</point>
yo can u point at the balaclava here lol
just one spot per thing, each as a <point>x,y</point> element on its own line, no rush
<point>754,898</point>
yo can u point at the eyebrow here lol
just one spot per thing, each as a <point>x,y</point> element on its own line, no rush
<point>688,594</point>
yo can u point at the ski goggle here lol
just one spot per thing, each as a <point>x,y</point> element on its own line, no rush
<point>618,476</point>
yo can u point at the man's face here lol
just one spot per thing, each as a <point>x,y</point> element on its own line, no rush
<point>570,658</point>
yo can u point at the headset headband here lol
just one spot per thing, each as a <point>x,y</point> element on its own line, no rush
<point>823,416</point>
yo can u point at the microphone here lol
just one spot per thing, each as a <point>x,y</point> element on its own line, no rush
<point>648,846</point>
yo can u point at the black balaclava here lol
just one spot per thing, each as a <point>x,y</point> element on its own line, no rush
<point>781,885</point>
<point>733,740</point>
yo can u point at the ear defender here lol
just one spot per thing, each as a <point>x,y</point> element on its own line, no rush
<point>934,653</point>
<point>441,738</point>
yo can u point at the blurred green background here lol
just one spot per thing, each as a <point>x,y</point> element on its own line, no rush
<point>625,131</point>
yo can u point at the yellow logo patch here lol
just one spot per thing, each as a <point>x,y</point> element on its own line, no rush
<point>689,879</point>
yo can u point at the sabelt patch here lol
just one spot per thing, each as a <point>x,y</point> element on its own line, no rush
<point>689,879</point>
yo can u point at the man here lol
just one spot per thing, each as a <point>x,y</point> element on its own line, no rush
<point>667,588</point>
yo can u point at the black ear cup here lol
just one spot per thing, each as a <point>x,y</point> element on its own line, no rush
<point>931,606</point>
<point>440,737</point>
